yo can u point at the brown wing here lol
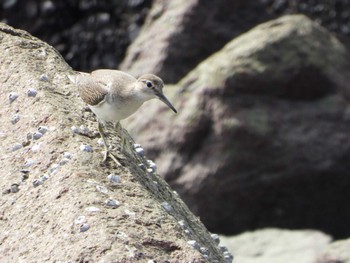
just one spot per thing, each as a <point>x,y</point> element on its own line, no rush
<point>90,90</point>
<point>116,79</point>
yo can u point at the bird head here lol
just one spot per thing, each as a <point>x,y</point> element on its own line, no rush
<point>152,86</point>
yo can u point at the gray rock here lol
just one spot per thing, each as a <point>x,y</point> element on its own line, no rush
<point>277,245</point>
<point>262,123</point>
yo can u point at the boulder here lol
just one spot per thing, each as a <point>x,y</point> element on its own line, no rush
<point>336,252</point>
<point>261,134</point>
<point>272,245</point>
<point>58,202</point>
<point>177,35</point>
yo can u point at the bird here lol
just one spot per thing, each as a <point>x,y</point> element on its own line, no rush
<point>114,95</point>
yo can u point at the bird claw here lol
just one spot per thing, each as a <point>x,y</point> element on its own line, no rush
<point>114,158</point>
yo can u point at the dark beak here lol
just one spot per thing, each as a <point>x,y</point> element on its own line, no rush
<point>166,101</point>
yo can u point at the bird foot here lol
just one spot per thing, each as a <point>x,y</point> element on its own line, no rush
<point>115,158</point>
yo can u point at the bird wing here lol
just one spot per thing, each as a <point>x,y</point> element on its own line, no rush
<point>91,90</point>
<point>116,80</point>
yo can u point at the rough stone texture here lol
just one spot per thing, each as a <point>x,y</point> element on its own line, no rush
<point>277,245</point>
<point>53,194</point>
<point>336,252</point>
<point>261,134</point>
<point>273,245</point>
<point>183,33</point>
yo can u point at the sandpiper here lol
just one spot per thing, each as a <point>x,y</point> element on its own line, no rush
<point>114,95</point>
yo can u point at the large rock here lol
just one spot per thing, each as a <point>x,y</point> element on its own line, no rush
<point>178,35</point>
<point>261,134</point>
<point>273,245</point>
<point>278,245</point>
<point>58,203</point>
<point>89,34</point>
<point>336,252</point>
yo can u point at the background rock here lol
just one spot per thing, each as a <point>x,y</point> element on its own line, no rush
<point>276,246</point>
<point>185,32</point>
<point>89,34</point>
<point>336,252</point>
<point>262,132</point>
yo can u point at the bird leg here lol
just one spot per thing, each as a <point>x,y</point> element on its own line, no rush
<point>124,142</point>
<point>100,130</point>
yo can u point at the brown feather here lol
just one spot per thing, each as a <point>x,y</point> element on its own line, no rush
<point>90,90</point>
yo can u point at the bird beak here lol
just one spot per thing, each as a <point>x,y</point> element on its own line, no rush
<point>166,101</point>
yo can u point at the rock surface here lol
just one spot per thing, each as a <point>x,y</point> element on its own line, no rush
<point>261,134</point>
<point>58,203</point>
<point>184,33</point>
<point>273,245</point>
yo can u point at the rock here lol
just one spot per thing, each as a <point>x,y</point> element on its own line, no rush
<point>261,138</point>
<point>93,34</point>
<point>59,210</point>
<point>277,245</point>
<point>336,252</point>
<point>184,32</point>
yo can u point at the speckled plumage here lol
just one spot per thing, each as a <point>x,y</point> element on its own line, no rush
<point>114,95</point>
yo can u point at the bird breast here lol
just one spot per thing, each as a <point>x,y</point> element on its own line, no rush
<point>116,111</point>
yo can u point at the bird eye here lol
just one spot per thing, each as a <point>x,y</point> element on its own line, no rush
<point>149,84</point>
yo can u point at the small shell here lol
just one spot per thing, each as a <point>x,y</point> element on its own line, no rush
<point>30,162</point>
<point>37,135</point>
<point>152,165</point>
<point>16,146</point>
<point>64,161</point>
<point>194,244</point>
<point>86,148</point>
<point>102,189</point>
<point>75,129</point>
<point>37,182</point>
<point>228,256</point>
<point>114,178</point>
<point>14,188</point>
<point>67,155</point>
<point>183,224</point>
<point>223,249</point>
<point>15,119</point>
<point>136,145</point>
<point>44,177</point>
<point>84,129</point>
<point>92,209</point>
<point>42,129</point>
<point>44,77</point>
<point>216,238</point>
<point>100,142</point>
<point>53,169</point>
<point>112,203</point>
<point>84,227</point>
<point>32,92</point>
<point>167,206</point>
<point>140,152</point>
<point>13,96</point>
<point>204,250</point>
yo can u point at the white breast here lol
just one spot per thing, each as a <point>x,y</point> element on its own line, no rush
<point>113,113</point>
